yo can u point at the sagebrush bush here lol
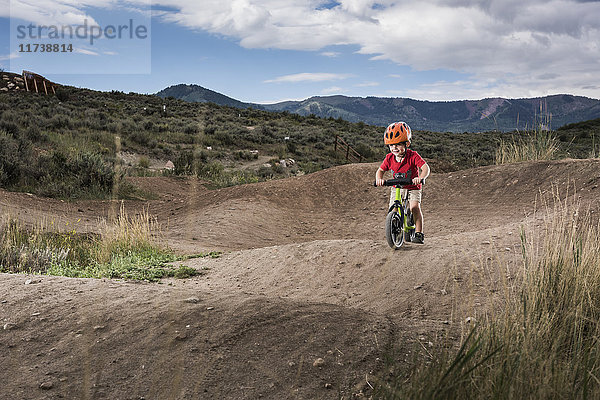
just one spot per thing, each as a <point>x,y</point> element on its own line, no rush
<point>88,121</point>
<point>144,162</point>
<point>9,128</point>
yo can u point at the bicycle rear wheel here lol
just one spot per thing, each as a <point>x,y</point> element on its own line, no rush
<point>393,229</point>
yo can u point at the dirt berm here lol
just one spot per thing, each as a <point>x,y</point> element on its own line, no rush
<point>304,303</point>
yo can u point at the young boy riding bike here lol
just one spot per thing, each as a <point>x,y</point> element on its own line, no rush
<point>406,163</point>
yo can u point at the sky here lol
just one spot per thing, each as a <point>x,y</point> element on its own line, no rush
<point>266,51</point>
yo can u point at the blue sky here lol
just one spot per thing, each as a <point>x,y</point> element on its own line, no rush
<point>274,50</point>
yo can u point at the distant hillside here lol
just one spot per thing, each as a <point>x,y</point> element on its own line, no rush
<point>198,94</point>
<point>450,116</point>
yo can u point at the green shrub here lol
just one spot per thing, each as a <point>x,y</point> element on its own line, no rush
<point>191,129</point>
<point>184,163</point>
<point>245,155</point>
<point>141,137</point>
<point>225,138</point>
<point>210,130</point>
<point>73,175</point>
<point>144,162</point>
<point>365,150</point>
<point>184,272</point>
<point>59,122</point>
<point>9,128</point>
<point>62,94</point>
<point>291,147</point>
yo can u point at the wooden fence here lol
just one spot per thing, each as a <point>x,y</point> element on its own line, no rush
<point>37,83</point>
<point>342,146</point>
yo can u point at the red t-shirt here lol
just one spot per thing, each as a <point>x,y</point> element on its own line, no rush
<point>412,161</point>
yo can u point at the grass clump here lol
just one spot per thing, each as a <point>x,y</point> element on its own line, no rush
<point>540,143</point>
<point>545,343</point>
<point>534,146</point>
<point>184,272</point>
<point>125,248</point>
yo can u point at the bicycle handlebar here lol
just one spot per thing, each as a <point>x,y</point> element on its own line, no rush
<point>398,182</point>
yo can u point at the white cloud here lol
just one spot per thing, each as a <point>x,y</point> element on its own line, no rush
<point>50,12</point>
<point>516,87</point>
<point>309,77</point>
<point>11,56</point>
<point>331,54</point>
<point>86,52</point>
<point>332,90</point>
<point>67,12</point>
<point>510,40</point>
<point>511,46</point>
<point>273,100</point>
<point>367,84</point>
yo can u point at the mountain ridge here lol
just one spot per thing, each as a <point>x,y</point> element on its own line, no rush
<point>488,114</point>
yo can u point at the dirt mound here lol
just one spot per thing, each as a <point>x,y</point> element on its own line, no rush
<point>306,276</point>
<point>105,339</point>
<point>341,203</point>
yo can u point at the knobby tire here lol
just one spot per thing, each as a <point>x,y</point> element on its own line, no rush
<point>393,229</point>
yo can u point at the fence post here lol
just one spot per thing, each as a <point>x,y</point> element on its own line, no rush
<point>26,85</point>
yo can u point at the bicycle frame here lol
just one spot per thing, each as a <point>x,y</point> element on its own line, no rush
<point>399,211</point>
<point>400,203</point>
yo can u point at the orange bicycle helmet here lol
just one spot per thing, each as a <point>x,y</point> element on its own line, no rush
<point>397,132</point>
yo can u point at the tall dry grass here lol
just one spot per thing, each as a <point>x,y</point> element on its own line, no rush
<point>125,233</point>
<point>539,143</point>
<point>127,247</point>
<point>545,342</point>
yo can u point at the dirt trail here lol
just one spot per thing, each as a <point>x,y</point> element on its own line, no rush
<point>306,275</point>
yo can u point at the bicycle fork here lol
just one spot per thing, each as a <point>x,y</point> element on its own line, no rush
<point>402,210</point>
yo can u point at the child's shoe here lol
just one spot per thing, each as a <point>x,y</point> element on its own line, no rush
<point>419,238</point>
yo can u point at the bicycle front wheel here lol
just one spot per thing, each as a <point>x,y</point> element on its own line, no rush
<point>393,229</point>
